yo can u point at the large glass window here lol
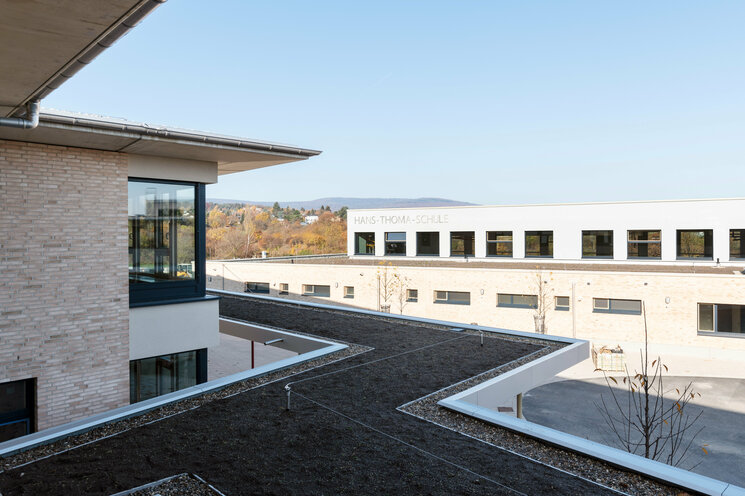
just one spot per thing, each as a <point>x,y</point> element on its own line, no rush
<point>166,240</point>
<point>597,244</point>
<point>721,318</point>
<point>155,376</point>
<point>695,244</point>
<point>364,243</point>
<point>644,244</point>
<point>539,244</point>
<point>517,300</point>
<point>736,246</point>
<point>499,243</point>
<point>323,291</point>
<point>17,409</point>
<point>428,244</point>
<point>257,287</point>
<point>461,243</point>
<point>395,243</point>
<point>609,305</point>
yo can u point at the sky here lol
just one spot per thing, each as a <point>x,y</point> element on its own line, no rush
<point>489,102</point>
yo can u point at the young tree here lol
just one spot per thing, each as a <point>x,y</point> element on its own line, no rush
<point>543,301</point>
<point>642,420</point>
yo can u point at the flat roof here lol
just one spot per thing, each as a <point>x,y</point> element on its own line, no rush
<point>232,154</point>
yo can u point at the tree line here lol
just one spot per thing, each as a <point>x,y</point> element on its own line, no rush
<point>245,231</point>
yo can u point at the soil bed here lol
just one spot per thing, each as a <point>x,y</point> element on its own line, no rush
<point>343,434</point>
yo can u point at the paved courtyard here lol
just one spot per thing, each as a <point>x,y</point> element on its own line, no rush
<point>569,406</point>
<point>233,355</point>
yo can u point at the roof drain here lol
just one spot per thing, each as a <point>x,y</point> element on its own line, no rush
<point>29,122</point>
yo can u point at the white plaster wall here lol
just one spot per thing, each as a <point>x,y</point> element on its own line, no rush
<point>164,329</point>
<point>567,221</point>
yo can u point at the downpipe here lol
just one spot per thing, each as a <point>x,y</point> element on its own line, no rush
<point>29,122</point>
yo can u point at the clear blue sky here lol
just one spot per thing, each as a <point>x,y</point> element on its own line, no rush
<point>488,102</point>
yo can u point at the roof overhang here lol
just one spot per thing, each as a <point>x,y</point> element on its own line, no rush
<point>118,135</point>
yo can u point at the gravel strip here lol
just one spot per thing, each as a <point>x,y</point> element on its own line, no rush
<point>176,408</point>
<point>177,486</point>
<point>589,468</point>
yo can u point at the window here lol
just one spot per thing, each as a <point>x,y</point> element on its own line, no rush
<point>412,295</point>
<point>284,288</point>
<point>607,305</point>
<point>257,287</point>
<point>348,291</point>
<point>561,303</point>
<point>499,243</point>
<point>644,244</point>
<point>428,244</point>
<point>721,318</point>
<point>597,244</point>
<point>17,405</point>
<point>395,243</point>
<point>736,246</point>
<point>166,240</point>
<point>453,297</point>
<point>695,244</point>
<point>364,243</point>
<point>461,243</point>
<point>316,290</point>
<point>517,301</point>
<point>155,376</point>
<point>539,244</point>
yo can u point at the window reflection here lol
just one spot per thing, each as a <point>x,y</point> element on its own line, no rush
<point>161,231</point>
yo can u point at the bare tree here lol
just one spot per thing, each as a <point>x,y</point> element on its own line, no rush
<point>642,420</point>
<point>386,285</point>
<point>401,289</point>
<point>543,302</point>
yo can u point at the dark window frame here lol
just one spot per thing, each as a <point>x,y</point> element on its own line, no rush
<point>562,308</point>
<point>741,255</point>
<point>265,287</point>
<point>715,321</point>
<point>398,244</point>
<point>347,293</point>
<point>135,365</point>
<point>647,242</point>
<point>315,292</point>
<point>604,233</point>
<point>410,298</point>
<point>708,243</point>
<point>436,245</point>
<point>173,290</point>
<point>496,243</point>
<point>357,235</point>
<point>448,300</point>
<point>454,236</point>
<point>541,235</point>
<point>27,414</point>
<point>617,311</point>
<point>512,303</point>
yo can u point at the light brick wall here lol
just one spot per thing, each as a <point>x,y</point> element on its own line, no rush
<point>64,296</point>
<point>671,324</point>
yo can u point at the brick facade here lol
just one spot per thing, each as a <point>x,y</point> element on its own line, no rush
<point>64,300</point>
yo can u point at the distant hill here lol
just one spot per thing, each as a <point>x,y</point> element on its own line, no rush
<point>337,202</point>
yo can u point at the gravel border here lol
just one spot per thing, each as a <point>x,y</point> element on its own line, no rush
<point>177,485</point>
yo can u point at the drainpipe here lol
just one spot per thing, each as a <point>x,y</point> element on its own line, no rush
<point>29,122</point>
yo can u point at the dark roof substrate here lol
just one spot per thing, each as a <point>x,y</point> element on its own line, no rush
<point>507,265</point>
<point>343,434</point>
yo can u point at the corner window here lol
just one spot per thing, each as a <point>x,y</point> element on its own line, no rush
<point>428,244</point>
<point>412,295</point>
<point>257,287</point>
<point>348,291</point>
<point>284,288</point>
<point>453,297</point>
<point>17,406</point>
<point>539,244</point>
<point>316,290</point>
<point>644,244</point>
<point>517,301</point>
<point>722,318</point>
<point>395,243</point>
<point>597,244</point>
<point>155,376</point>
<point>736,246</point>
<point>364,243</point>
<point>607,305</point>
<point>561,303</point>
<point>499,243</point>
<point>166,240</point>
<point>695,244</point>
<point>461,243</point>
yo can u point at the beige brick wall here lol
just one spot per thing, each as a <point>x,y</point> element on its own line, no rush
<point>673,324</point>
<point>64,301</point>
